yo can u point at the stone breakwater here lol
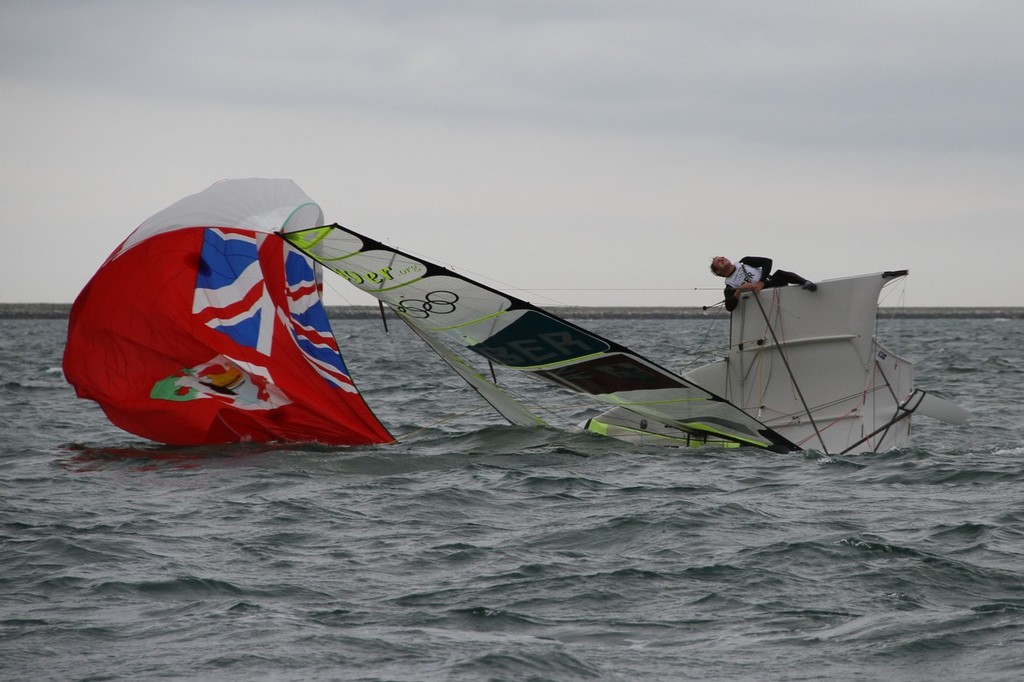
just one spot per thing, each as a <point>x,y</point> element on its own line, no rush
<point>61,310</point>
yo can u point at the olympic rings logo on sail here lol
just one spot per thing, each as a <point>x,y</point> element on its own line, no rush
<point>435,302</point>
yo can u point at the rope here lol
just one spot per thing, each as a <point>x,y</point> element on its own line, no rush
<point>789,369</point>
<point>699,352</point>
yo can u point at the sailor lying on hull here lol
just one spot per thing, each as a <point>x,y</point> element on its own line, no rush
<point>753,273</point>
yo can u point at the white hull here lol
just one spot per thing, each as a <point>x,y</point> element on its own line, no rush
<point>807,365</point>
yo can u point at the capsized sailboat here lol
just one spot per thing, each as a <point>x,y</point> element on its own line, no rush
<point>204,326</point>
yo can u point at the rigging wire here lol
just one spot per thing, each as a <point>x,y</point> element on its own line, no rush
<point>700,352</point>
<point>509,287</point>
<point>789,369</point>
<point>895,318</point>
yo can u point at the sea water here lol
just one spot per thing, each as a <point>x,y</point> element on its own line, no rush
<point>474,550</point>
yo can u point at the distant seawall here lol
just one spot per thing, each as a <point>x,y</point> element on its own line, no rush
<point>61,310</point>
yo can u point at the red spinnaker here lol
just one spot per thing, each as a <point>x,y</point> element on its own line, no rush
<point>202,334</point>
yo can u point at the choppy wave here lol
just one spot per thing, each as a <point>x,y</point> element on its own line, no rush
<point>476,550</point>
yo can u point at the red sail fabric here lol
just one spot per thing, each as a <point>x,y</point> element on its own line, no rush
<point>214,335</point>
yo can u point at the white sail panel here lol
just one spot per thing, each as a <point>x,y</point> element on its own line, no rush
<point>506,405</point>
<point>259,204</point>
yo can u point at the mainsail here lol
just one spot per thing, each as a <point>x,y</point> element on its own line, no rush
<point>204,326</point>
<point>512,333</point>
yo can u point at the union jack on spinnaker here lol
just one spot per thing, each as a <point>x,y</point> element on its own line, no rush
<point>205,326</point>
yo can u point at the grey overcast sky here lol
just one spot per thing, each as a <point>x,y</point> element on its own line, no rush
<point>578,152</point>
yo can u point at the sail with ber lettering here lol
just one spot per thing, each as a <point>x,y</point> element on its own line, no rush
<point>508,332</point>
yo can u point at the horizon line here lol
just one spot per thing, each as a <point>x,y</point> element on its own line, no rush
<point>63,310</point>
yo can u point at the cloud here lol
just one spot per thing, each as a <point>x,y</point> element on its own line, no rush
<point>569,146</point>
<point>926,74</point>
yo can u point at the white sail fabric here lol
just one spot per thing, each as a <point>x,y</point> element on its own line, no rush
<point>514,334</point>
<point>507,406</point>
<point>260,204</point>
